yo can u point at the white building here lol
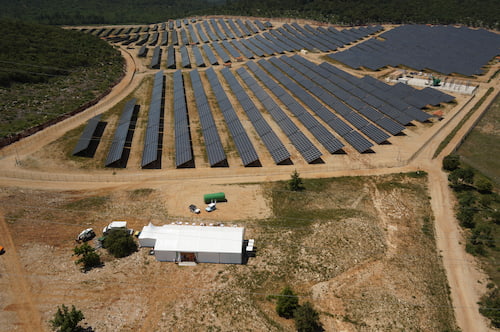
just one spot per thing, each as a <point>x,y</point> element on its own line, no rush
<point>202,244</point>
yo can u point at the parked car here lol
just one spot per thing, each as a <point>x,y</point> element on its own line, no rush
<point>86,235</point>
<point>211,207</point>
<point>194,209</point>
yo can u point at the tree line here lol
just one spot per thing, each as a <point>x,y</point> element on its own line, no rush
<point>480,13</point>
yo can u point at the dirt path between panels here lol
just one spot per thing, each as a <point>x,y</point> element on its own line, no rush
<point>22,300</point>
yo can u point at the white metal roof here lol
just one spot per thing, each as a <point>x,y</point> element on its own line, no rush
<point>187,238</point>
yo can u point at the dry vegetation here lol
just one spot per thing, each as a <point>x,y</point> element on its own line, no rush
<point>361,250</point>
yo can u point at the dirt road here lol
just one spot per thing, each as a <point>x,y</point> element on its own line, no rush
<point>22,300</point>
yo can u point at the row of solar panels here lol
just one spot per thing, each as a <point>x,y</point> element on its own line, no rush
<point>444,49</point>
<point>123,134</point>
<point>152,146</point>
<point>192,33</point>
<point>286,38</point>
<point>339,99</point>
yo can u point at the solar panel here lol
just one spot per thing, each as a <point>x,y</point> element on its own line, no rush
<point>201,33</point>
<point>200,62</point>
<point>87,137</point>
<point>233,26</point>
<point>118,143</point>
<point>243,49</point>
<point>243,144</point>
<point>210,32</point>
<point>330,142</point>
<point>217,30</point>
<point>171,57</point>
<point>192,35</point>
<point>185,61</point>
<point>332,120</point>
<point>183,148</point>
<point>210,55</point>
<point>155,60</point>
<point>273,144</point>
<point>150,153</point>
<point>221,53</point>
<point>228,32</point>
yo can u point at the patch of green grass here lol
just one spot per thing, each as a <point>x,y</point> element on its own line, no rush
<point>450,136</point>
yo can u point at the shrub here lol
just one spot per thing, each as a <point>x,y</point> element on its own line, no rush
<point>119,243</point>
<point>483,185</point>
<point>451,162</point>
<point>466,217</point>
<point>89,257</point>
<point>295,183</point>
<point>488,306</point>
<point>461,176</point>
<point>67,321</point>
<point>307,319</point>
<point>287,303</point>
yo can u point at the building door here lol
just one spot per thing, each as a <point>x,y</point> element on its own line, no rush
<point>188,257</point>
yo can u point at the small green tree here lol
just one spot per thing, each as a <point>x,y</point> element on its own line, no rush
<point>451,162</point>
<point>295,183</point>
<point>67,321</point>
<point>488,306</point>
<point>287,303</point>
<point>307,319</point>
<point>483,185</point>
<point>89,258</point>
<point>119,243</point>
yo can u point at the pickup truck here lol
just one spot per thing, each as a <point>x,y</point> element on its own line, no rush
<point>193,208</point>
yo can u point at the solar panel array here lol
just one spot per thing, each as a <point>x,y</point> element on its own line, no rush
<point>330,142</point>
<point>171,57</point>
<point>210,55</point>
<point>320,87</point>
<point>150,154</point>
<point>183,148</point>
<point>155,60</point>
<point>444,49</point>
<point>385,97</point>
<point>221,53</point>
<point>273,144</point>
<point>185,61</point>
<point>213,144</point>
<point>198,58</point>
<point>121,133</point>
<point>243,144</point>
<point>87,136</point>
<point>337,97</point>
<point>353,137</point>
<point>305,147</point>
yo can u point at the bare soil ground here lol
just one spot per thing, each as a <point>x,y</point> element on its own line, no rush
<point>356,248</point>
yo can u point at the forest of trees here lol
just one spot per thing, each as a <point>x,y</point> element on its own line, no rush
<point>484,13</point>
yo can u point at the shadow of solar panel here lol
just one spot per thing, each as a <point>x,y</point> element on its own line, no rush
<point>87,136</point>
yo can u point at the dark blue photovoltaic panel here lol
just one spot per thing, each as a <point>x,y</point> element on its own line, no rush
<point>217,30</point>
<point>445,49</point>
<point>192,34</point>
<point>330,142</point>
<point>228,32</point>
<point>171,57</point>
<point>243,49</point>
<point>183,148</point>
<point>273,144</point>
<point>164,39</point>
<point>185,61</point>
<point>184,37</point>
<point>360,143</point>
<point>251,26</point>
<point>198,58</point>
<point>221,53</point>
<point>243,144</point>
<point>142,51</point>
<point>232,51</point>
<point>259,25</point>
<point>257,51</point>
<point>174,38</point>
<point>243,28</point>
<point>121,132</point>
<point>237,31</point>
<point>151,142</point>
<point>210,55</point>
<point>213,145</point>
<point>155,60</point>
<point>201,33</point>
<point>209,31</point>
<point>87,134</point>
